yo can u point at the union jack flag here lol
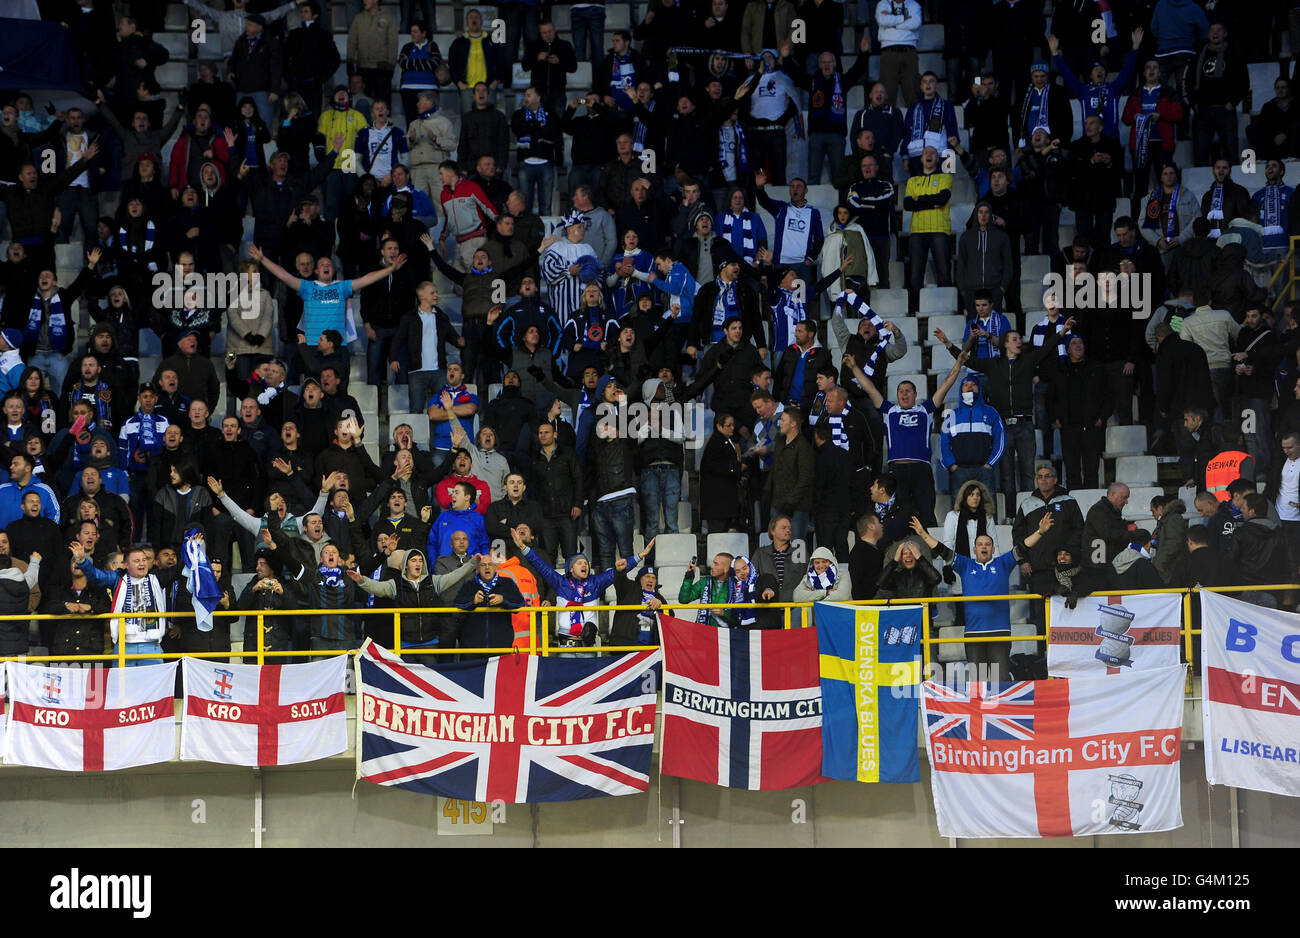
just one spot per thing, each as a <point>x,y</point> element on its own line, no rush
<point>950,710</point>
<point>514,728</point>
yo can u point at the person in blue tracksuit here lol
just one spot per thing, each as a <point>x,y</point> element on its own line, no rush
<point>1099,96</point>
<point>577,587</point>
<point>986,575</point>
<point>461,516</point>
<point>971,440</point>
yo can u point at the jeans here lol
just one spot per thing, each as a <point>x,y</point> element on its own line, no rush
<point>799,525</point>
<point>611,529</point>
<point>142,648</point>
<point>584,174</point>
<point>424,11</point>
<point>921,247</point>
<point>767,148</point>
<point>421,385</point>
<point>1080,454</point>
<point>880,250</point>
<point>824,149</point>
<point>1020,449</point>
<point>833,534</point>
<point>4,218</point>
<point>338,186</point>
<point>53,364</point>
<point>1253,414</point>
<point>1094,224</point>
<point>377,356</point>
<point>1221,383</point>
<point>1173,72</point>
<point>899,70</point>
<point>916,485</point>
<point>960,475</point>
<point>378,83</point>
<point>661,487</point>
<point>588,25</point>
<point>1212,122</point>
<point>519,17</point>
<point>78,200</point>
<point>1044,222</point>
<point>559,531</point>
<point>537,179</point>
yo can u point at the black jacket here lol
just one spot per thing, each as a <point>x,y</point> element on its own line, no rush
<point>1066,530</point>
<point>310,55</point>
<point>832,478</point>
<point>1104,525</point>
<point>1079,393</point>
<point>1010,382</point>
<point>557,483</point>
<point>257,67</point>
<point>1182,378</point>
<point>816,360</point>
<point>720,470</point>
<point>865,563</point>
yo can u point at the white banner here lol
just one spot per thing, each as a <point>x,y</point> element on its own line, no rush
<point>1057,758</point>
<point>90,719</point>
<point>275,714</point>
<point>1250,680</point>
<point>1105,634</point>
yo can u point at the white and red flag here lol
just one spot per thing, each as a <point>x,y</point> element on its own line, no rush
<point>90,719</point>
<point>1057,758</point>
<point>273,714</point>
<point>1250,676</point>
<point>1107,634</point>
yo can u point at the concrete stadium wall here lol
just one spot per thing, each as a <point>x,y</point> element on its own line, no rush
<point>196,805</point>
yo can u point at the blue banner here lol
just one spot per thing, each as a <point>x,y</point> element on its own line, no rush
<point>870,670</point>
<point>37,56</point>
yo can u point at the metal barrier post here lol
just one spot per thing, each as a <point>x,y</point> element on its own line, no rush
<point>397,634</point>
<point>532,630</point>
<point>546,636</point>
<point>787,617</point>
<point>261,642</point>
<point>925,638</point>
<point>1187,625</point>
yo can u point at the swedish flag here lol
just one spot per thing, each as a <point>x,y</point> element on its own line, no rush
<point>870,669</point>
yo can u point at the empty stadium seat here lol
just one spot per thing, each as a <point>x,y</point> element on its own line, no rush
<point>1262,75</point>
<point>1137,470</point>
<point>953,327</point>
<point>730,542</point>
<point>889,302</point>
<point>1139,500</point>
<point>937,300</point>
<point>1126,441</point>
<point>675,549</point>
<point>419,426</point>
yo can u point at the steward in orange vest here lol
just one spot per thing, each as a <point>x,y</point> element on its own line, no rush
<point>517,570</point>
<point>1225,469</point>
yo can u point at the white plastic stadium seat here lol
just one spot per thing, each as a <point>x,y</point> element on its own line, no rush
<point>889,302</point>
<point>1139,500</point>
<point>953,326</point>
<point>937,301</point>
<point>1137,470</point>
<point>675,550</point>
<point>419,426</point>
<point>731,542</point>
<point>1126,441</point>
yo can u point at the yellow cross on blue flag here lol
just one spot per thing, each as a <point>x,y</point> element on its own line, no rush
<point>870,673</point>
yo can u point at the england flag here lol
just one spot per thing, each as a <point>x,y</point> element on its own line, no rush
<point>90,719</point>
<point>274,714</point>
<point>1057,758</point>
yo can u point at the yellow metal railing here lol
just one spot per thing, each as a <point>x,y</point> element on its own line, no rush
<point>539,638</point>
<point>1287,267</point>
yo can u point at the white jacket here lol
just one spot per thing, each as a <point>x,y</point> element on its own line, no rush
<point>900,23</point>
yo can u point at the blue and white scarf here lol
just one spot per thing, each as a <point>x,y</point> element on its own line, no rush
<point>921,123</point>
<point>58,321</point>
<point>150,442</point>
<point>725,307</point>
<point>1270,211</point>
<point>537,117</point>
<point>741,592</point>
<point>150,235</point>
<point>787,312</point>
<point>1035,104</point>
<point>639,129</point>
<point>748,250</point>
<point>1216,208</point>
<point>379,572</point>
<point>1171,221</point>
<point>716,617</point>
<point>646,618</point>
<point>838,436</point>
<point>821,581</point>
<point>487,587</point>
<point>200,580</point>
<point>850,301</point>
<point>1146,122</point>
<point>732,136</point>
<point>331,577</point>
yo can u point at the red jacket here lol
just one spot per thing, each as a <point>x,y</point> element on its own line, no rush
<point>442,491</point>
<point>1168,113</point>
<point>176,176</point>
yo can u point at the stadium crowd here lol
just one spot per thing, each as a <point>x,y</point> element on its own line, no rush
<point>612,295</point>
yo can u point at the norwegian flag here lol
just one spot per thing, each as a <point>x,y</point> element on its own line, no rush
<point>275,714</point>
<point>513,728</point>
<point>90,719</point>
<point>742,709</point>
<point>1078,756</point>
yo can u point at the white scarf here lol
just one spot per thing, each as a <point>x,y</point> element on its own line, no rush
<point>129,597</point>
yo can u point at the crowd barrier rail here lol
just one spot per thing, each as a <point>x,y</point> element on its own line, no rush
<point>539,641</point>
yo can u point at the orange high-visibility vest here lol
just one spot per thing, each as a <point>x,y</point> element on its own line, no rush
<point>1223,470</point>
<point>515,569</point>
